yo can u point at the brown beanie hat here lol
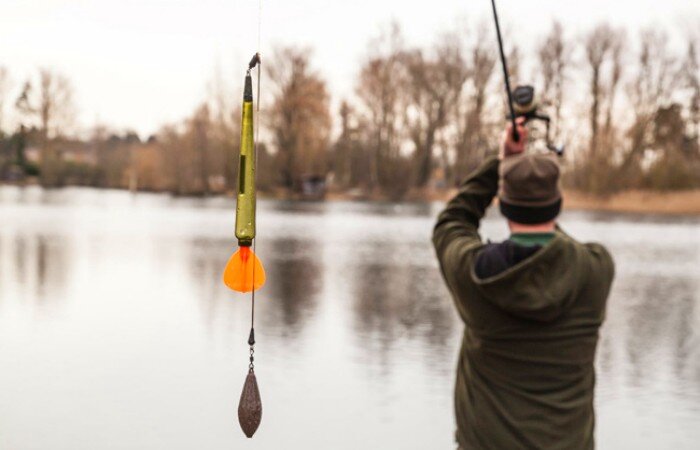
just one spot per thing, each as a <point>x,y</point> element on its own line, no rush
<point>529,188</point>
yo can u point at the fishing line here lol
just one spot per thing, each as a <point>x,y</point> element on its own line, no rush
<point>259,23</point>
<point>255,148</point>
<point>251,337</point>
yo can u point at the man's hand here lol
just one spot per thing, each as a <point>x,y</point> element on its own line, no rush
<point>508,146</point>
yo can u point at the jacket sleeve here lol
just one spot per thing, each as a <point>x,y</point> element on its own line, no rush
<point>602,267</point>
<point>456,234</point>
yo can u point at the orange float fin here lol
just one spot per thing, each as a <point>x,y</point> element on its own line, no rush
<point>244,272</point>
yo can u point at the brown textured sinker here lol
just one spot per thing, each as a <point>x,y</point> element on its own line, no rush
<point>250,406</point>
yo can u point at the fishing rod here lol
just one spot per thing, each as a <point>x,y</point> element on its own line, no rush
<point>506,77</point>
<point>522,101</point>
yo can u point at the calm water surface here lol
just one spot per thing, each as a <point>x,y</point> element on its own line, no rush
<point>117,333</point>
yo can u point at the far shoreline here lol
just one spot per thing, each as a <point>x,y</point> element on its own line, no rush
<point>668,203</point>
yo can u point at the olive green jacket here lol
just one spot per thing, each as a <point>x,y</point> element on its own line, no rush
<point>525,377</point>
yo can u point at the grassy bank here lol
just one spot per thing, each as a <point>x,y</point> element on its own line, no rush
<point>649,202</point>
<point>671,203</point>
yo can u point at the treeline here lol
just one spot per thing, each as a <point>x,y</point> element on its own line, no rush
<point>627,106</point>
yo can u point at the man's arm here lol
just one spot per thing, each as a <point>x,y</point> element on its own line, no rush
<point>456,233</point>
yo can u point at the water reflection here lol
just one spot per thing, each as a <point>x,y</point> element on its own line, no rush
<point>354,321</point>
<point>207,260</point>
<point>295,274</point>
<point>33,268</point>
<point>652,328</point>
<point>395,299</point>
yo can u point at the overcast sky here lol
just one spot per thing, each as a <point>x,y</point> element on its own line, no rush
<point>140,63</point>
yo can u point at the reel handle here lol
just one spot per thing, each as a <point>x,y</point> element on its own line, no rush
<point>533,115</point>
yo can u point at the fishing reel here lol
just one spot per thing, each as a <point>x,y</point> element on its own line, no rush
<point>525,105</point>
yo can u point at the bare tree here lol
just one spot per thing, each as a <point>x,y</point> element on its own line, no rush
<point>23,103</point>
<point>175,158</point>
<point>228,133</point>
<point>554,56</point>
<point>201,126</point>
<point>52,108</point>
<point>434,84</point>
<point>224,106</point>
<point>344,149</point>
<point>604,46</point>
<point>600,43</point>
<point>299,117</point>
<point>55,106</point>
<point>690,76</point>
<point>379,92</point>
<point>472,135</point>
<point>617,48</point>
<point>114,155</point>
<point>651,88</point>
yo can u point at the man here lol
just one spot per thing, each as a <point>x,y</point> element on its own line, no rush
<point>532,306</point>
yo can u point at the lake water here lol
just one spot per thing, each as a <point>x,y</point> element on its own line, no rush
<point>116,331</point>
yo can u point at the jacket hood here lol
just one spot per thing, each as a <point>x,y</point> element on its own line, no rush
<point>542,286</point>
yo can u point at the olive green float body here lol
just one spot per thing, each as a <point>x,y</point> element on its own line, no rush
<point>245,205</point>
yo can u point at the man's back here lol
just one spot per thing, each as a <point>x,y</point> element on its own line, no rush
<point>525,376</point>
